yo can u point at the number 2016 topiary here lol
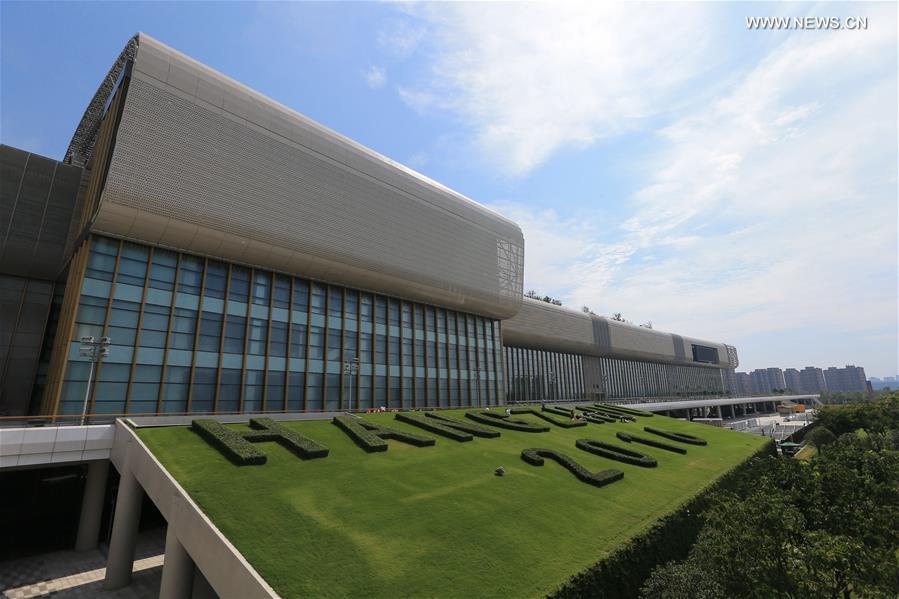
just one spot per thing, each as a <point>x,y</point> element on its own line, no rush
<point>613,452</point>
<point>535,457</point>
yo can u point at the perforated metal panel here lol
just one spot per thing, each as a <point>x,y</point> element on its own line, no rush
<point>206,165</point>
<point>540,325</point>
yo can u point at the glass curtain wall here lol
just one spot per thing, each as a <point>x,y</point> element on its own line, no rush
<point>535,375</point>
<point>192,334</point>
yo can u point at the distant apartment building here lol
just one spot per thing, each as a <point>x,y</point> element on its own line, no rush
<point>887,382</point>
<point>812,380</point>
<point>849,378</point>
<point>792,380</point>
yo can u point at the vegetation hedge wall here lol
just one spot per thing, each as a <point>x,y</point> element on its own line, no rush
<point>651,442</point>
<point>364,438</point>
<point>229,442</point>
<point>562,423</point>
<point>469,427</point>
<point>535,457</point>
<point>302,446</point>
<point>681,437</point>
<point>622,573</point>
<point>503,421</point>
<point>435,426</point>
<point>625,411</point>
<point>613,452</point>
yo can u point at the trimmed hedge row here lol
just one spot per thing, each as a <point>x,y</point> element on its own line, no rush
<point>229,442</point>
<point>550,419</point>
<point>302,446</point>
<point>371,437</point>
<point>534,457</point>
<point>591,416</point>
<point>681,437</point>
<point>651,442</point>
<point>625,411</point>
<point>435,426</point>
<point>614,452</point>
<point>600,414</point>
<point>621,574</point>
<point>503,421</point>
<point>469,427</point>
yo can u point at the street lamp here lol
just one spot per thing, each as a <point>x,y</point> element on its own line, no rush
<point>351,367</point>
<point>94,351</point>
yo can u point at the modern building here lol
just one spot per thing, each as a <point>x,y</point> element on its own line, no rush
<point>792,380</point>
<point>243,258</point>
<point>812,380</point>
<point>850,378</point>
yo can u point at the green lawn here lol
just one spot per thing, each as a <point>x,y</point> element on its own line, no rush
<point>436,521</point>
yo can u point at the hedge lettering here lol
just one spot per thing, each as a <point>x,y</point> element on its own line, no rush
<point>614,452</point>
<point>503,421</point>
<point>535,457</point>
<point>651,442</point>
<point>371,437</point>
<point>680,437</point>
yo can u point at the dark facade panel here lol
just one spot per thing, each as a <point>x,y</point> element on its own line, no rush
<point>38,200</point>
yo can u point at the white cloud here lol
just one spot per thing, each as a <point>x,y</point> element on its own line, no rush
<point>401,37</point>
<point>771,209</point>
<point>533,78</point>
<point>375,77</point>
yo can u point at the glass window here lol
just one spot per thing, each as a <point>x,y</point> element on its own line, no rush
<point>112,386</point>
<point>278,341</point>
<point>133,264</point>
<point>190,277</point>
<point>429,319</point>
<point>282,292</point>
<point>318,298</point>
<point>300,295</point>
<point>253,388</point>
<point>144,389</point>
<point>365,348</point>
<point>229,390</point>
<point>91,310</point>
<point>123,322</point>
<point>234,334</point>
<point>210,332</point>
<point>364,401</point>
<point>395,313</point>
<point>407,352</point>
<point>203,392</point>
<point>314,391</point>
<point>380,310</point>
<point>335,301</point>
<point>333,345</point>
<point>351,304</point>
<point>258,336</point>
<point>274,399</point>
<point>407,316</point>
<point>239,290</point>
<point>419,317</point>
<point>380,349</point>
<point>177,383</point>
<point>316,342</point>
<point>366,308</point>
<point>216,276</point>
<point>184,327</point>
<point>296,390</point>
<point>154,325</point>
<point>101,262</point>
<point>393,350</point>
<point>297,340</point>
<point>333,402</point>
<point>162,270</point>
<point>381,391</point>
<point>349,346</point>
<point>262,288</point>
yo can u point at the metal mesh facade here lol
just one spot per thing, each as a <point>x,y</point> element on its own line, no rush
<point>191,334</point>
<point>544,326</point>
<point>205,165</point>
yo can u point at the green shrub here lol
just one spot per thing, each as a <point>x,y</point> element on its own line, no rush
<point>469,427</point>
<point>371,437</point>
<point>623,410</point>
<point>503,421</point>
<point>651,442</point>
<point>535,457</point>
<point>302,446</point>
<point>435,426</point>
<point>613,452</point>
<point>229,442</point>
<point>681,437</point>
<point>545,416</point>
<point>621,574</point>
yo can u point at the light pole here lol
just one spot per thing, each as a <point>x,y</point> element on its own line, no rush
<point>95,351</point>
<point>351,367</point>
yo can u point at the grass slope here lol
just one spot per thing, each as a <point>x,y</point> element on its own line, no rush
<point>436,521</point>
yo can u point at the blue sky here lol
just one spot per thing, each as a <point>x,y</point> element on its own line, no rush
<point>664,161</point>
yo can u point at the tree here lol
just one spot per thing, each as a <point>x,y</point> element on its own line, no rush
<point>820,436</point>
<point>647,324</point>
<point>617,316</point>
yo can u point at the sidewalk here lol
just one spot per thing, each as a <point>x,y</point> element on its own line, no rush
<point>77,575</point>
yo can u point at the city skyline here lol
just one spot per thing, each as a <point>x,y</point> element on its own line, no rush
<point>630,199</point>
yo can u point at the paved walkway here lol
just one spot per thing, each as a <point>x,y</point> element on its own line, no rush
<point>79,575</point>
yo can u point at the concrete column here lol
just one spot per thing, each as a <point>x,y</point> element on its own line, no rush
<point>120,561</point>
<point>177,569</point>
<point>92,505</point>
<point>202,588</point>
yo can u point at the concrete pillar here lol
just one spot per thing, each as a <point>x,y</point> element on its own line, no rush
<point>177,569</point>
<point>120,561</point>
<point>92,505</point>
